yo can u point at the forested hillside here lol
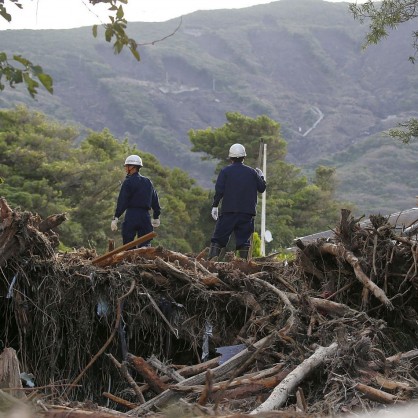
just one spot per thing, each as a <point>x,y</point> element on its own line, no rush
<point>300,63</point>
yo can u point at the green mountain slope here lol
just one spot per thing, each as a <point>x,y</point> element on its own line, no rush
<point>298,62</point>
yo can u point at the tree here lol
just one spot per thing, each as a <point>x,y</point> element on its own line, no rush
<point>295,206</point>
<point>382,17</point>
<point>17,69</point>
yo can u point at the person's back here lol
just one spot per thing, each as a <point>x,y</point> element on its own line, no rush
<point>137,197</point>
<point>239,184</point>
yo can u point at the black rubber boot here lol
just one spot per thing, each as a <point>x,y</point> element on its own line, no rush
<point>243,252</point>
<point>214,250</point>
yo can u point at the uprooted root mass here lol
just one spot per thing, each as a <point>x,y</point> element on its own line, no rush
<point>333,331</point>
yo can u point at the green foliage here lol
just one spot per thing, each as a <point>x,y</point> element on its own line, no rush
<point>116,28</point>
<point>46,172</point>
<point>256,245</point>
<point>294,205</point>
<point>406,132</point>
<point>20,70</point>
<point>215,143</point>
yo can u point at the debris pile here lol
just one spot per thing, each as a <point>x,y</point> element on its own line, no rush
<point>152,332</point>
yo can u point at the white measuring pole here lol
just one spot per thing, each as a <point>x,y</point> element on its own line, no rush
<point>263,206</point>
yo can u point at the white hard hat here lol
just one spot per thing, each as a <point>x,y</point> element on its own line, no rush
<point>237,151</point>
<point>134,160</point>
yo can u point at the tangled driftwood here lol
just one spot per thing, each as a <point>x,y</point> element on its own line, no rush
<point>331,332</point>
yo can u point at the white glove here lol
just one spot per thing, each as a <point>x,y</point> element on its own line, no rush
<point>114,224</point>
<point>259,172</point>
<point>155,223</point>
<point>215,213</point>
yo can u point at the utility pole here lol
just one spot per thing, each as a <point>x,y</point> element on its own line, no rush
<point>263,206</point>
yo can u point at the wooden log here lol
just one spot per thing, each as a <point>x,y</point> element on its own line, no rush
<point>195,369</point>
<point>148,373</point>
<point>267,378</point>
<point>177,273</point>
<point>168,371</point>
<point>330,307</point>
<point>10,373</point>
<point>11,243</point>
<point>52,222</point>
<point>238,389</point>
<point>103,259</point>
<point>409,355</point>
<point>280,394</point>
<point>130,255</point>
<point>119,401</point>
<point>207,390</point>
<point>6,213</point>
<point>384,382</point>
<point>125,373</point>
<point>340,251</point>
<point>389,384</point>
<point>203,275</point>
<point>239,392</point>
<point>376,395</point>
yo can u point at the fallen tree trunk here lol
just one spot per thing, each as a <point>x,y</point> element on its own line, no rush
<point>280,394</point>
<point>106,259</point>
<point>376,395</point>
<point>148,373</point>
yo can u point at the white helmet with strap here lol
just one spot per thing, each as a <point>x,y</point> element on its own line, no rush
<point>134,160</point>
<point>237,151</point>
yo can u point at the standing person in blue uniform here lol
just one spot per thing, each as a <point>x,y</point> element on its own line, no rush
<point>237,186</point>
<point>137,197</point>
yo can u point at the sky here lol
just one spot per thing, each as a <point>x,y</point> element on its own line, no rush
<point>66,14</point>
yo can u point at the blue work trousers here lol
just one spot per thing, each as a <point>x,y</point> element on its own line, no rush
<point>241,224</point>
<point>136,224</point>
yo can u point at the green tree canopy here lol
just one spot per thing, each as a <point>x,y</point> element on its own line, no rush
<point>46,171</point>
<point>295,206</point>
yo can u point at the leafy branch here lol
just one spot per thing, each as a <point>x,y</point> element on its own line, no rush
<point>116,28</point>
<point>23,72</point>
<point>20,70</point>
<point>384,16</point>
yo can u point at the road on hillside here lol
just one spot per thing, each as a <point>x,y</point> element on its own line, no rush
<point>320,115</point>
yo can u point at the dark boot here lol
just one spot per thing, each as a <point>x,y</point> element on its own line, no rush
<point>243,252</point>
<point>214,250</point>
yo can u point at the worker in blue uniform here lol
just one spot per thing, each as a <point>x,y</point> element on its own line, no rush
<point>237,186</point>
<point>137,197</point>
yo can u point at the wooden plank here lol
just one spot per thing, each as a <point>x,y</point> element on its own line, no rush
<point>124,247</point>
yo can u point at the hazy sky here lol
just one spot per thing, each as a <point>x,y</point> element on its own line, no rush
<point>63,14</point>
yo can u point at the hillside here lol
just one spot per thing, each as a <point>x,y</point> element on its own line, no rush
<point>298,62</point>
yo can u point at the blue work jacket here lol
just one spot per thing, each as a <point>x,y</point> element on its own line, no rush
<point>137,192</point>
<point>237,186</point>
